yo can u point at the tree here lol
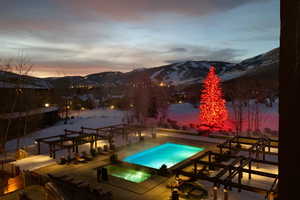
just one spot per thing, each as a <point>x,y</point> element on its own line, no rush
<point>213,112</point>
<point>21,66</point>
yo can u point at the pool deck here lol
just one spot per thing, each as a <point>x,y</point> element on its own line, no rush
<point>154,188</point>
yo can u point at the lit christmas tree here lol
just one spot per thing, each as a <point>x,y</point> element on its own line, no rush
<point>213,112</point>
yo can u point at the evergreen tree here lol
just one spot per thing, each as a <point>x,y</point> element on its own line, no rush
<point>213,112</point>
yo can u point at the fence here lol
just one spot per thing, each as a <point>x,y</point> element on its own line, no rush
<point>8,168</point>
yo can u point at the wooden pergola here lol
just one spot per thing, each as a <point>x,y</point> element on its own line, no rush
<point>72,139</point>
<point>257,145</point>
<point>228,171</point>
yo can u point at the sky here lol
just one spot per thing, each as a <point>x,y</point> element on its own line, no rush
<point>80,37</point>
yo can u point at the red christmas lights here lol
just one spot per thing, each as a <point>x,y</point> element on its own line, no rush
<point>213,112</point>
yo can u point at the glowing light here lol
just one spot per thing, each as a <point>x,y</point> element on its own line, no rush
<point>213,112</point>
<point>179,101</point>
<point>112,107</point>
<point>82,108</point>
<point>131,105</point>
<point>162,84</point>
<point>47,105</point>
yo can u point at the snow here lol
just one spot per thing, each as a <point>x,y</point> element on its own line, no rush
<point>231,75</point>
<point>155,74</point>
<point>186,114</point>
<point>89,118</point>
<point>34,162</point>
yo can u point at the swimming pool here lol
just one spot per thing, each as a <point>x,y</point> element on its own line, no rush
<point>169,154</point>
<point>128,174</point>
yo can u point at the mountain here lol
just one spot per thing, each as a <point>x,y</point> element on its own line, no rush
<point>178,74</point>
<point>12,80</point>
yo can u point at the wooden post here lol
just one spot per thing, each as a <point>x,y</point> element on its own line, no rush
<point>69,152</point>
<point>54,152</point>
<point>241,163</point>
<point>225,194</point>
<point>96,145</point>
<point>74,141</point>
<point>215,193</point>
<point>209,160</point>
<point>91,146</point>
<point>76,148</point>
<point>249,177</point>
<point>240,180</point>
<point>50,150</point>
<point>39,147</point>
<point>270,196</point>
<point>257,158</point>
<point>264,152</point>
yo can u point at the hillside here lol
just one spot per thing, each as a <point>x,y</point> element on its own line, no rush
<point>183,74</point>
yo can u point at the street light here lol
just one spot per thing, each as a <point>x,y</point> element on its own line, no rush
<point>47,105</point>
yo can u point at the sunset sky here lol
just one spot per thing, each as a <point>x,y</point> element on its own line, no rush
<point>79,37</point>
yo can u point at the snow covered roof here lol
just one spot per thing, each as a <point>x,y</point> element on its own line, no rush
<point>29,113</point>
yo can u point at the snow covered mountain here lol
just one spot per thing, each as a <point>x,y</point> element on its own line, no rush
<point>12,80</point>
<point>177,74</point>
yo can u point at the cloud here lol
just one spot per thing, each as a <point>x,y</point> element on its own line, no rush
<point>135,10</point>
<point>178,49</point>
<point>207,53</point>
<point>87,36</point>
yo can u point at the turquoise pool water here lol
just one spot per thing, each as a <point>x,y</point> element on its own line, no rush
<point>169,154</point>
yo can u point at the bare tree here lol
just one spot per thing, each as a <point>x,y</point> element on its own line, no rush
<point>21,65</point>
<point>238,94</point>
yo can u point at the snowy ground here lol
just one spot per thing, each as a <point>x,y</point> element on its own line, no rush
<point>186,114</point>
<point>89,118</point>
<point>183,113</point>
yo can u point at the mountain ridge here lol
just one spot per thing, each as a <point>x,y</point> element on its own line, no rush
<point>177,74</point>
